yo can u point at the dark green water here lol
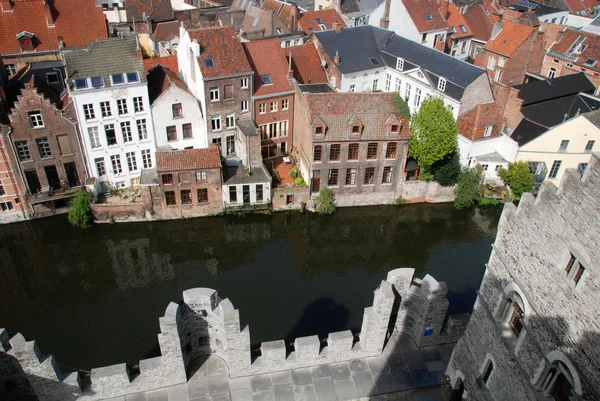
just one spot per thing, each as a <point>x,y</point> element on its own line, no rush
<point>93,297</point>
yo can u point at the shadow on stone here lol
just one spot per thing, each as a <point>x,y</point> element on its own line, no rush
<point>323,315</point>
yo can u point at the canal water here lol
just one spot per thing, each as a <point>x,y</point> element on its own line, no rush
<point>93,297</point>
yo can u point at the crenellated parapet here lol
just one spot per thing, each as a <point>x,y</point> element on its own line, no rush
<point>205,325</point>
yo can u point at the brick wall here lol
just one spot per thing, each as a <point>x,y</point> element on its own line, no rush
<point>512,109</point>
<point>275,117</point>
<point>333,74</point>
<point>566,68</point>
<point>54,125</point>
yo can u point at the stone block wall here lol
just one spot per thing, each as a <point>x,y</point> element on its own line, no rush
<point>421,191</point>
<point>204,325</point>
<point>529,266</point>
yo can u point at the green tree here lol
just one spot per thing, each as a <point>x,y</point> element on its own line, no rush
<point>325,202</point>
<point>518,178</point>
<point>433,132</point>
<point>80,214</point>
<point>401,106</point>
<point>467,190</point>
<point>447,170</point>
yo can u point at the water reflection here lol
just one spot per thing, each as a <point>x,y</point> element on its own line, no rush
<point>93,297</point>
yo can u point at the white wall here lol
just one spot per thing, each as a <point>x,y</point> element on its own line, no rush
<point>115,15</point>
<point>363,77</point>
<point>240,194</point>
<point>560,18</point>
<point>162,113</point>
<point>402,24</point>
<point>178,5</point>
<point>456,50</point>
<point>189,70</point>
<point>111,95</point>
<point>503,145</point>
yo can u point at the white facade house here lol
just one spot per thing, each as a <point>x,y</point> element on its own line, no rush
<point>408,19</point>
<point>108,85</point>
<point>178,119</point>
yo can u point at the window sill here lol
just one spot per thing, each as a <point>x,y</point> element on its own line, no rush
<point>333,186</point>
<point>41,127</point>
<point>27,161</point>
<point>187,138</point>
<point>215,101</point>
<point>138,111</point>
<point>116,145</point>
<point>177,117</point>
<point>334,161</point>
<point>48,158</point>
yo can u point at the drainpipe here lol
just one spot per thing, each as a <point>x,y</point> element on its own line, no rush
<point>16,158</point>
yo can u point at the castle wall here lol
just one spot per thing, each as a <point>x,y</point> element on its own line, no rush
<point>529,266</point>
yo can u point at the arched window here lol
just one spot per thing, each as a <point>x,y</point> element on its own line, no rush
<point>558,383</point>
<point>512,310</point>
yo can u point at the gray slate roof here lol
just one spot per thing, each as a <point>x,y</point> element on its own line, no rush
<point>104,57</point>
<point>593,117</point>
<point>356,45</point>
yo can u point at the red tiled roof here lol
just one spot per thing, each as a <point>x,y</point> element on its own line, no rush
<point>456,21</point>
<point>77,22</point>
<point>480,21</point>
<point>472,124</point>
<point>591,50</point>
<point>267,58</point>
<point>160,79</point>
<point>168,61</point>
<point>510,38</point>
<point>188,159</point>
<point>306,64</point>
<point>155,10</point>
<point>580,5</point>
<point>166,30</point>
<point>328,17</point>
<point>418,11</point>
<point>224,47</point>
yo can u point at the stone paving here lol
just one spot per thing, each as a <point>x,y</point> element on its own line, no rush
<point>415,373</point>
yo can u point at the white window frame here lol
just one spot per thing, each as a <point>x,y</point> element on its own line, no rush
<point>352,88</point>
<point>244,83</point>
<point>388,82</point>
<point>375,85</point>
<point>273,107</point>
<point>100,164</point>
<point>491,63</point>
<point>142,129</point>
<point>131,161</point>
<point>35,119</point>
<point>285,104</point>
<point>214,94</point>
<point>122,106</point>
<point>215,121</point>
<point>138,104</point>
<point>262,108</point>
<point>126,131</point>
<point>400,64</point>
<point>115,162</point>
<point>442,84</point>
<point>488,131</point>
<point>501,62</point>
<point>94,136</point>
<point>105,109</point>
<point>498,75</point>
<point>146,158</point>
<point>88,111</point>
<point>230,121</point>
<point>244,106</point>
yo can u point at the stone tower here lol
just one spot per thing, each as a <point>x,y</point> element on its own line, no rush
<point>535,331</point>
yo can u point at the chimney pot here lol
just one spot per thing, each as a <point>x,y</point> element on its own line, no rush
<point>336,59</point>
<point>337,26</point>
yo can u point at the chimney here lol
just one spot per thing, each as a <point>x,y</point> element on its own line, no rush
<point>290,71</point>
<point>196,47</point>
<point>444,8</point>
<point>6,6</point>
<point>337,26</point>
<point>49,14</point>
<point>336,59</point>
<point>384,22</point>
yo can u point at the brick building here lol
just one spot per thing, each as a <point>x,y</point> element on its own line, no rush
<point>458,43</point>
<point>47,153</point>
<point>36,30</point>
<point>353,143</point>
<point>12,204</point>
<point>533,333</point>
<point>574,51</point>
<point>213,64</point>
<point>273,97</point>
<point>189,183</point>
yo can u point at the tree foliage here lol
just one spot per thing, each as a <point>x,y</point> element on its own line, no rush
<point>467,190</point>
<point>518,178</point>
<point>80,214</point>
<point>325,202</point>
<point>401,106</point>
<point>447,170</point>
<point>433,132</point>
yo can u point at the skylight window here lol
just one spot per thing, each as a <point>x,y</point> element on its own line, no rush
<point>486,11</point>
<point>81,83</point>
<point>429,17</point>
<point>374,61</point>
<point>462,28</point>
<point>590,62</point>
<point>320,21</point>
<point>117,79</point>
<point>453,30</point>
<point>209,62</point>
<point>280,31</point>
<point>133,77</point>
<point>266,79</point>
<point>97,82</point>
<point>311,30</point>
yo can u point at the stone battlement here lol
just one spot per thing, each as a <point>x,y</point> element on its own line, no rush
<point>204,325</point>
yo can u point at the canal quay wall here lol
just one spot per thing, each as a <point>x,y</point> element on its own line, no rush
<point>204,325</point>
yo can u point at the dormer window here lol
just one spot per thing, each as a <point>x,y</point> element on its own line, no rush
<point>395,128</point>
<point>133,77</point>
<point>442,84</point>
<point>429,17</point>
<point>356,129</point>
<point>318,130</point>
<point>97,82</point>
<point>81,83</point>
<point>117,79</point>
<point>400,64</point>
<point>26,41</point>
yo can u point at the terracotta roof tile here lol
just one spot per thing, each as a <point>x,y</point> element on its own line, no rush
<point>472,124</point>
<point>160,79</point>
<point>287,12</point>
<point>188,159</point>
<point>419,10</point>
<point>306,64</point>
<point>580,5</point>
<point>457,21</point>
<point>77,22</point>
<point>224,47</point>
<point>155,10</point>
<point>267,58</point>
<point>166,30</point>
<point>308,20</point>
<point>510,38</point>
<point>168,61</point>
<point>590,51</point>
<point>481,21</point>
<point>337,111</point>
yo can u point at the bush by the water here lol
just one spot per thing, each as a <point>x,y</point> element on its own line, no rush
<point>518,178</point>
<point>80,214</point>
<point>467,190</point>
<point>325,202</point>
<point>447,170</point>
<point>488,201</point>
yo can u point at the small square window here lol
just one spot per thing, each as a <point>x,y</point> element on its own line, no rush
<point>52,78</point>
<point>97,82</point>
<point>200,175</point>
<point>564,144</point>
<point>177,110</point>
<point>319,130</point>
<point>266,79</point>
<point>209,62</point>
<point>202,195</point>
<point>186,196</point>
<point>170,198</point>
